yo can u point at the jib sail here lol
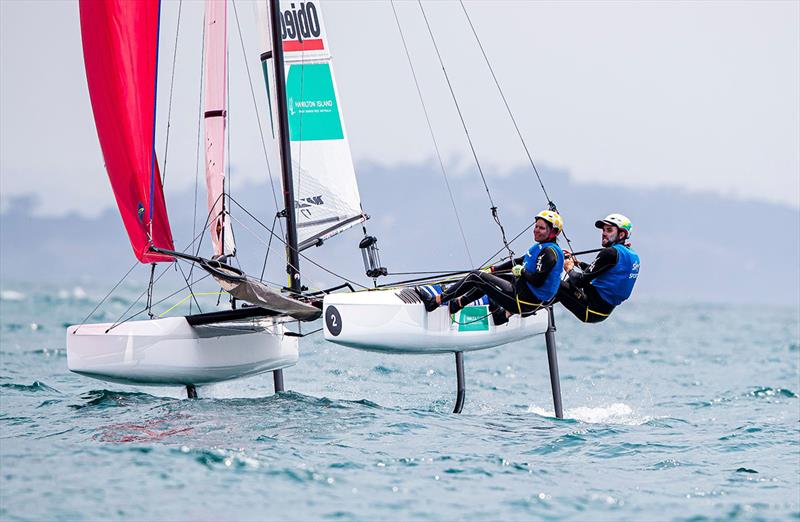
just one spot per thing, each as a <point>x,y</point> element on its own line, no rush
<point>120,49</point>
<point>326,192</point>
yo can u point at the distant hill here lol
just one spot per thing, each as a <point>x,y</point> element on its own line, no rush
<point>694,246</point>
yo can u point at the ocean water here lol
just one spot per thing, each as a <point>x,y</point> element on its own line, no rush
<point>673,412</point>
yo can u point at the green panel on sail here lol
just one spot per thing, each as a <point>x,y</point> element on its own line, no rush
<point>311,99</point>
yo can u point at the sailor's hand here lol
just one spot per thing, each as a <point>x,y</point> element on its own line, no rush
<point>569,264</point>
<point>517,270</point>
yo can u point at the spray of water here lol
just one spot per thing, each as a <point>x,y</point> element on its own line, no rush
<point>616,413</point>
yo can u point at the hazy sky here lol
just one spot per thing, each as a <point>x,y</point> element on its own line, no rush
<point>700,95</point>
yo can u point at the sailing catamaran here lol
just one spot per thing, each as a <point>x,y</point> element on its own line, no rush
<point>392,318</point>
<point>120,42</point>
<point>321,199</point>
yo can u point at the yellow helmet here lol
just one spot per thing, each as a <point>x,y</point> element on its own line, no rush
<point>553,218</point>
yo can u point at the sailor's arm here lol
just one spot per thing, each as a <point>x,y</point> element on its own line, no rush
<point>570,261</point>
<point>545,262</point>
<point>604,262</point>
<point>506,265</point>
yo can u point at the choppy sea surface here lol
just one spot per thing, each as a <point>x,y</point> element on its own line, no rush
<point>672,412</point>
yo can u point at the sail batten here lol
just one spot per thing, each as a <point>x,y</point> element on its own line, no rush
<point>120,49</point>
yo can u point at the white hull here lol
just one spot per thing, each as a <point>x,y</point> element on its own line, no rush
<point>171,352</point>
<point>383,321</point>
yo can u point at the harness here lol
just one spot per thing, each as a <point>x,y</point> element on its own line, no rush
<point>590,311</point>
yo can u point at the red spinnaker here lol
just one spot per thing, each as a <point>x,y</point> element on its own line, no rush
<point>120,47</point>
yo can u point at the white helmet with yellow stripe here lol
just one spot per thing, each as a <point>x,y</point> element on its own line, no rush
<point>553,219</point>
<point>617,220</point>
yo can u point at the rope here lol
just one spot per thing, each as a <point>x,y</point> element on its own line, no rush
<point>150,290</point>
<point>269,249</point>
<point>433,136</point>
<point>202,232</point>
<point>103,300</point>
<point>550,203</point>
<point>191,292</point>
<point>257,113</point>
<point>343,278</point>
<point>154,304</point>
<point>493,207</point>
<point>296,334</point>
<point>172,90</point>
<point>269,245</point>
<point>191,295</point>
<point>117,323</point>
<point>135,264</point>
<point>197,150</point>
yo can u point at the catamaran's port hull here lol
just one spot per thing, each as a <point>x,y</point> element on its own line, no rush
<point>382,321</point>
<point>171,352</point>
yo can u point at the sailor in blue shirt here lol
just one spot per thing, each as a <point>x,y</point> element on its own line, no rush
<point>593,292</point>
<point>520,285</point>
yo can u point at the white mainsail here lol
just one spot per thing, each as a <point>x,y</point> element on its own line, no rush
<point>215,65</point>
<point>326,191</point>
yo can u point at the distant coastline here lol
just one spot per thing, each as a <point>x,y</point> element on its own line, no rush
<point>696,247</point>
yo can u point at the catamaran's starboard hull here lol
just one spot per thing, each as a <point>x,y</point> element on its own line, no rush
<point>171,352</point>
<point>395,321</point>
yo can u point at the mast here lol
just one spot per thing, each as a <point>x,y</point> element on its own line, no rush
<point>292,255</point>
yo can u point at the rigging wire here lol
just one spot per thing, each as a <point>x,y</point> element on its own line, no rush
<point>299,177</point>
<point>254,218</point>
<point>257,113</point>
<point>172,90</point>
<point>433,136</point>
<point>269,245</point>
<point>103,300</point>
<point>187,247</point>
<point>135,264</point>
<point>493,208</point>
<point>550,202</point>
<point>154,281</point>
<point>271,230</point>
<point>191,291</point>
<point>197,151</point>
<point>150,290</point>
<point>154,304</point>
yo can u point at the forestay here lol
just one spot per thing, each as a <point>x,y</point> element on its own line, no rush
<point>326,191</point>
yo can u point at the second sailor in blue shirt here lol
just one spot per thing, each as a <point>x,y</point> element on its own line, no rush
<point>592,292</point>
